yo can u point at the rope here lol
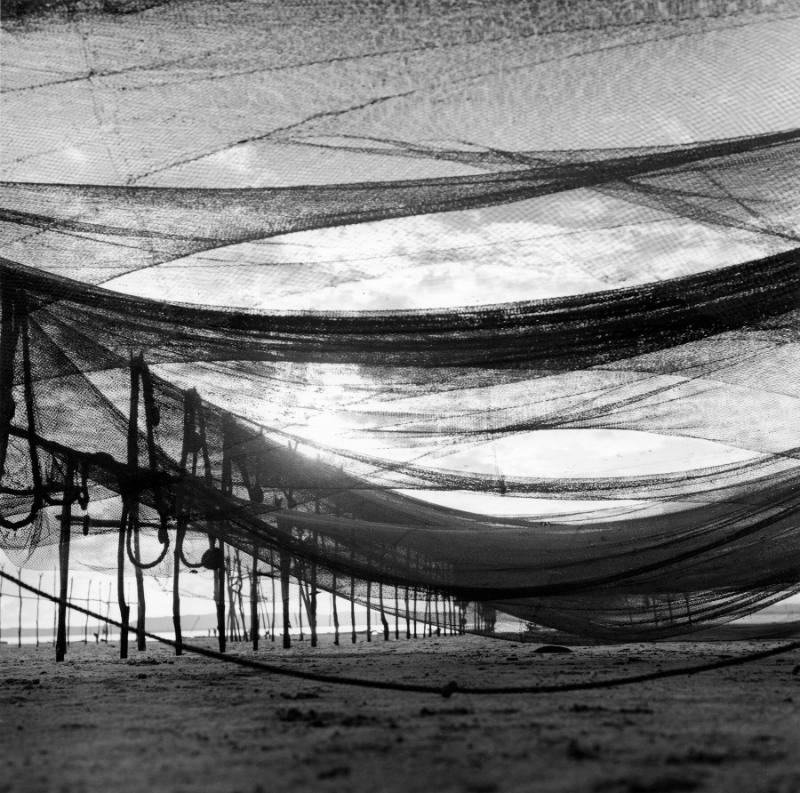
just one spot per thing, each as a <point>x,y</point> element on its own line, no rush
<point>446,690</point>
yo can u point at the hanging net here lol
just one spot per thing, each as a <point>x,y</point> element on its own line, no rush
<point>404,350</point>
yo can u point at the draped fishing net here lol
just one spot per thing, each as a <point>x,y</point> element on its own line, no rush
<point>585,415</point>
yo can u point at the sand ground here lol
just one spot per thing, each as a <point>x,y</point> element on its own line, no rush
<point>160,723</point>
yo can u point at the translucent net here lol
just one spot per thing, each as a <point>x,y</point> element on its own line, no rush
<point>421,456</point>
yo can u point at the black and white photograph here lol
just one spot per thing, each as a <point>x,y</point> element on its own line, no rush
<point>400,396</point>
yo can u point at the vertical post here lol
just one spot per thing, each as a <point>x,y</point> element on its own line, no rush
<point>335,612</point>
<point>19,612</point>
<point>108,611</point>
<point>415,612</point>
<point>239,595</point>
<point>233,621</point>
<point>274,605</point>
<point>369,611</point>
<point>88,607</point>
<point>124,608</point>
<point>55,607</point>
<point>408,614</point>
<point>38,599</point>
<point>132,506</point>
<point>141,641</point>
<point>383,614</point>
<point>63,558</point>
<point>353,608</point>
<point>284,562</point>
<point>312,600</point>
<point>180,530</point>
<point>69,611</point>
<point>254,626</point>
<point>396,612</point>
<point>299,600</point>
<point>219,596</point>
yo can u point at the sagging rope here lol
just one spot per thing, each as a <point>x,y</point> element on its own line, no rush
<point>446,690</point>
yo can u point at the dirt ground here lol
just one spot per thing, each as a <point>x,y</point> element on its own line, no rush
<point>160,723</point>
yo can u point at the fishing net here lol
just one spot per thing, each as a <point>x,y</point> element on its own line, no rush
<point>584,416</point>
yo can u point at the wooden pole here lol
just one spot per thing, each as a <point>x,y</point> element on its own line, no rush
<point>254,626</point>
<point>396,612</point>
<point>312,611</point>
<point>299,601</point>
<point>219,597</point>
<point>335,613</point>
<point>55,607</point>
<point>124,608</point>
<point>369,611</point>
<point>244,632</point>
<point>38,598</point>
<point>108,610</point>
<point>408,614</point>
<point>69,611</point>
<point>233,622</point>
<point>19,612</point>
<point>141,640</point>
<point>383,614</point>
<point>353,608</point>
<point>284,562</point>
<point>63,557</point>
<point>180,531</point>
<point>88,606</point>
<point>274,604</point>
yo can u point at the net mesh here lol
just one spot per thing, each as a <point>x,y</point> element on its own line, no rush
<point>424,457</point>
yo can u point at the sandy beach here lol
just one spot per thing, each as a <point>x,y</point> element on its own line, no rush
<point>155,722</point>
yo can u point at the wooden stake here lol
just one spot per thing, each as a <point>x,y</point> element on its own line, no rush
<point>254,626</point>
<point>396,612</point>
<point>141,641</point>
<point>312,611</point>
<point>383,614</point>
<point>274,604</point>
<point>88,606</point>
<point>55,607</point>
<point>63,557</point>
<point>69,611</point>
<point>335,613</point>
<point>284,562</point>
<point>38,598</point>
<point>19,613</point>
<point>369,612</point>
<point>180,531</point>
<point>124,608</point>
<point>299,601</point>
<point>353,608</point>
<point>408,615</point>
<point>219,597</point>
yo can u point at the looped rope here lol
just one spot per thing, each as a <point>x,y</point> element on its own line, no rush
<point>132,526</point>
<point>180,536</point>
